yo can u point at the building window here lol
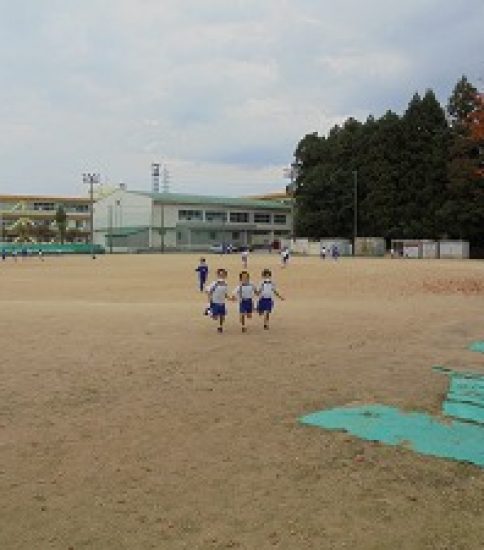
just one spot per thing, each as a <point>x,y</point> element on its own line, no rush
<point>190,215</point>
<point>179,236</point>
<point>82,208</point>
<point>262,218</point>
<point>44,206</point>
<point>239,217</point>
<point>280,219</point>
<point>235,235</point>
<point>211,216</point>
<point>212,235</point>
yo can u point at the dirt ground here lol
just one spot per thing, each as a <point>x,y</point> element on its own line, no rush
<point>127,422</point>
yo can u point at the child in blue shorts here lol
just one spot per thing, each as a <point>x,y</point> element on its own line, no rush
<point>202,271</point>
<point>267,291</point>
<point>217,293</point>
<point>244,293</point>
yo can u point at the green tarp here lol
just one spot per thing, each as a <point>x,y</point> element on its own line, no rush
<point>415,431</point>
<point>461,439</point>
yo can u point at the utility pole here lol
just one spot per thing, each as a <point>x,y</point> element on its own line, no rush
<point>355,210</point>
<point>166,189</point>
<point>166,179</point>
<point>91,180</point>
<point>110,222</point>
<point>291,174</point>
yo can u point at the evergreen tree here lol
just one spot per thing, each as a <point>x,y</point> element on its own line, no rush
<point>418,174</point>
<point>61,222</point>
<point>423,179</point>
<point>463,210</point>
<point>462,103</point>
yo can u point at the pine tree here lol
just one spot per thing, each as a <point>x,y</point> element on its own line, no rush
<point>463,210</point>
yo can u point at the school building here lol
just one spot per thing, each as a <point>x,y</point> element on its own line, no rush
<point>129,220</point>
<point>31,218</point>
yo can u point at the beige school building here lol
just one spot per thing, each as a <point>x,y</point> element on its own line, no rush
<point>129,220</point>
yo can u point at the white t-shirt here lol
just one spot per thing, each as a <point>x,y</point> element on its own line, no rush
<point>218,292</point>
<point>245,292</point>
<point>245,254</point>
<point>266,289</point>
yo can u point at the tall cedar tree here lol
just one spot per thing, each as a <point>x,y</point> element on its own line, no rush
<point>422,182</point>
<point>418,174</point>
<point>463,210</point>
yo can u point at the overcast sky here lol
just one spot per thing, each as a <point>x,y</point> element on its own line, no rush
<point>220,90</point>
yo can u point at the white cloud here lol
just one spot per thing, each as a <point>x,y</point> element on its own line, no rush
<point>224,90</point>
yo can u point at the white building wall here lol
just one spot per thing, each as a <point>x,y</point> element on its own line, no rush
<point>135,210</point>
<point>454,249</point>
<point>128,210</point>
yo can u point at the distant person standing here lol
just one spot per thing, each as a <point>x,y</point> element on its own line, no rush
<point>322,252</point>
<point>285,256</point>
<point>245,257</point>
<point>4,254</point>
<point>202,271</point>
<point>335,252</point>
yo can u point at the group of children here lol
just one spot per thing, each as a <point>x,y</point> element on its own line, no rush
<point>24,252</point>
<point>245,294</point>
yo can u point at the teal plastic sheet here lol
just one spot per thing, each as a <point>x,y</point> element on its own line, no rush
<point>416,431</point>
<point>465,397</point>
<point>477,346</point>
<point>459,439</point>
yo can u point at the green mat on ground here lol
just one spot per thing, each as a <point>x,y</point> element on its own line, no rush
<point>477,346</point>
<point>416,431</point>
<point>461,439</point>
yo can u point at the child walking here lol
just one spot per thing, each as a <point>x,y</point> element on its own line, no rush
<point>245,257</point>
<point>284,256</point>
<point>217,293</point>
<point>267,291</point>
<point>244,293</point>
<point>202,271</point>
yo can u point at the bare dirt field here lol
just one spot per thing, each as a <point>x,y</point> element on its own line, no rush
<point>127,422</point>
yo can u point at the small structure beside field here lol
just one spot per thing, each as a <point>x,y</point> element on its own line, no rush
<point>429,249</point>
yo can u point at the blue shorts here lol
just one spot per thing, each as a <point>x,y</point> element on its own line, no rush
<point>265,305</point>
<point>218,310</point>
<point>246,306</point>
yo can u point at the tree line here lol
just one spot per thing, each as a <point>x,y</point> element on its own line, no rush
<point>419,174</point>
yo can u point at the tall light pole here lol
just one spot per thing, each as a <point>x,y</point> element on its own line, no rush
<point>155,177</point>
<point>291,174</point>
<point>355,210</point>
<point>110,223</point>
<point>91,180</point>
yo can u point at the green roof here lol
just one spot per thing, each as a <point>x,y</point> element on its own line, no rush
<point>179,198</point>
<point>126,231</point>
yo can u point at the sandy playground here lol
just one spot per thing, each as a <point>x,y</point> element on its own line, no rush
<point>127,422</point>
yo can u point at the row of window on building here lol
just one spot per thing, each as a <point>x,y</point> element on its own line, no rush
<point>72,224</point>
<point>49,206</point>
<point>45,207</point>
<point>234,217</point>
